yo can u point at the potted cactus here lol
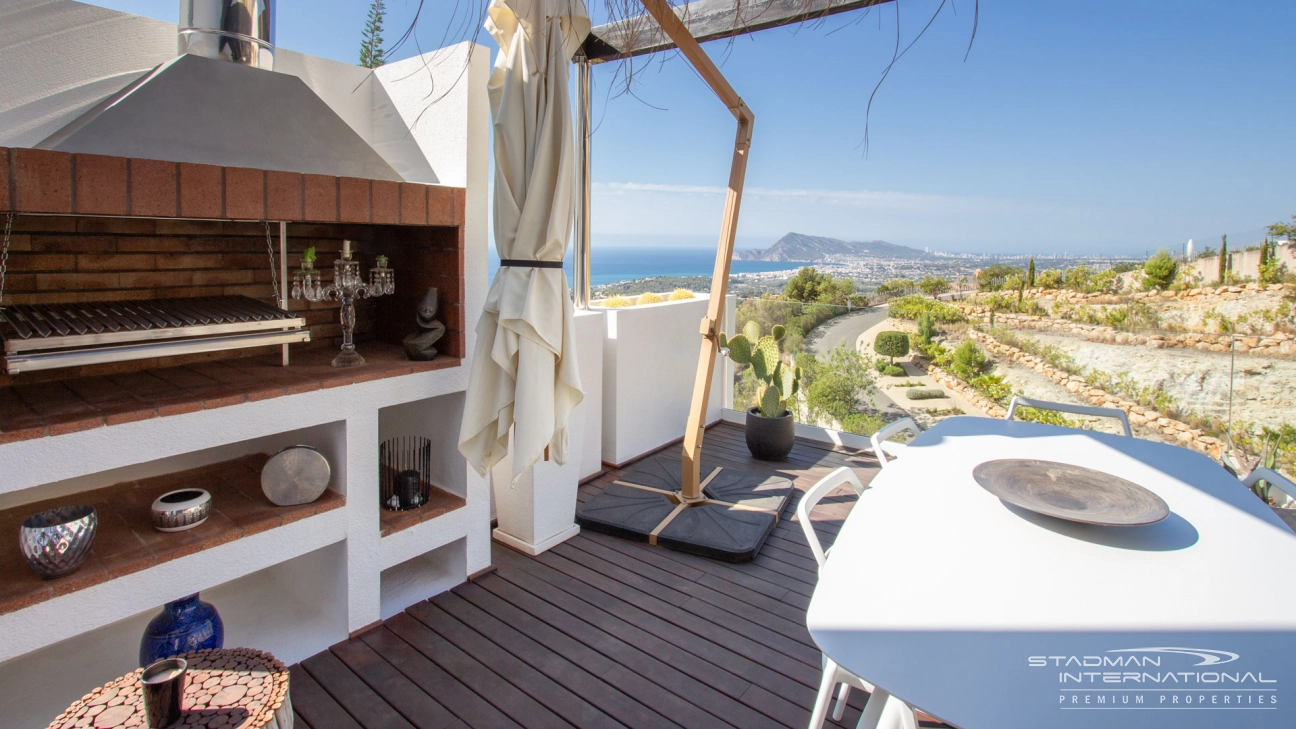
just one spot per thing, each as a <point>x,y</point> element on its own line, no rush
<point>770,428</point>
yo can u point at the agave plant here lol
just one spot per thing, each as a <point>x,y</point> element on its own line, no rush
<point>781,381</point>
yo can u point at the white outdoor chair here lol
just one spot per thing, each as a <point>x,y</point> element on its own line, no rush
<point>883,448</point>
<point>882,710</point>
<point>1276,480</point>
<point>1063,407</point>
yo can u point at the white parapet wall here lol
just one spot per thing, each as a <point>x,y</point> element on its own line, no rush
<point>650,360</point>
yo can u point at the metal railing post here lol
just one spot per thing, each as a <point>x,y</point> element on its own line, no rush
<point>581,252</point>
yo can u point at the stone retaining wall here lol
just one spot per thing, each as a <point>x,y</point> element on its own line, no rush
<point>966,391</point>
<point>1278,344</point>
<point>1145,421</point>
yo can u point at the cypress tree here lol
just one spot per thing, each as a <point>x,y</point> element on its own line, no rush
<point>371,41</point>
<point>1030,274</point>
<point>1264,252</point>
<point>1223,259</point>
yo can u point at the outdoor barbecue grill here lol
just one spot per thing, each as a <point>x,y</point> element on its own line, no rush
<point>50,336</point>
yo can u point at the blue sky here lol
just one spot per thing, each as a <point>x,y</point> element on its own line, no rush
<point>1101,126</point>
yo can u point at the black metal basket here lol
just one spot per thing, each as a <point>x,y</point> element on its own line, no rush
<point>404,473</point>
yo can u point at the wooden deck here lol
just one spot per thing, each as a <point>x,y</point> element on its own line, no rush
<point>601,632</point>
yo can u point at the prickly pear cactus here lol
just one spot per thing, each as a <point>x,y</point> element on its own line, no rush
<point>781,382</point>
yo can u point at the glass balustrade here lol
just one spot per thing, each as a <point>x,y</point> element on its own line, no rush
<point>1196,374</point>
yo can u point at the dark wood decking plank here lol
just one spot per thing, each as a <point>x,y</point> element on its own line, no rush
<point>781,635</point>
<point>649,681</point>
<point>394,687</point>
<point>703,662</point>
<point>555,654</point>
<point>572,598</point>
<point>447,689</point>
<point>539,578</point>
<point>315,705</point>
<point>360,701</point>
<point>486,683</point>
<point>720,635</point>
<point>722,578</point>
<point>526,678</point>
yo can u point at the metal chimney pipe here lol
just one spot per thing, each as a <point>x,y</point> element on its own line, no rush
<point>240,31</point>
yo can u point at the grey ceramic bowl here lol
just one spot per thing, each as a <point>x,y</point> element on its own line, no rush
<point>57,541</point>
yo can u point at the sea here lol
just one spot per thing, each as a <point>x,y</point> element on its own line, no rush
<point>615,264</point>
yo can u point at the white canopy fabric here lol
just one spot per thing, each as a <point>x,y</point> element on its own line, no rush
<point>524,367</point>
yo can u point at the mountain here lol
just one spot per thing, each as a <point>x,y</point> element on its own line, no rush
<point>798,247</point>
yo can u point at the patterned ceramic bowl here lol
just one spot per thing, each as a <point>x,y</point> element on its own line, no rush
<point>176,511</point>
<point>57,541</point>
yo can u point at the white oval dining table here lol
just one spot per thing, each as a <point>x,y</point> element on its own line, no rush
<point>989,616</point>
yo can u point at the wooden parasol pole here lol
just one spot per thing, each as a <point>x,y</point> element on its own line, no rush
<point>661,11</point>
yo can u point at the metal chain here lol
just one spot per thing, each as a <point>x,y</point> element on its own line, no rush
<point>4,261</point>
<point>274,276</point>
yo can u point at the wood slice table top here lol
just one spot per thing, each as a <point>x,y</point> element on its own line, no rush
<point>237,688</point>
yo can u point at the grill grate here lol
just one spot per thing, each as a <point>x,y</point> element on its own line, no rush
<point>48,336</point>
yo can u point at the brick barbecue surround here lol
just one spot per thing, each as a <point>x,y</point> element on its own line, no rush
<point>94,228</point>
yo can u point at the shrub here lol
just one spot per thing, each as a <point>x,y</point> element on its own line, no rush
<point>879,364</point>
<point>1158,271</point>
<point>896,286</point>
<point>681,294</point>
<point>894,371</point>
<point>926,328</point>
<point>933,285</point>
<point>650,298</point>
<point>810,286</point>
<point>968,361</point>
<point>917,393</point>
<point>992,278</point>
<point>891,344</point>
<point>1050,279</point>
<point>838,383</point>
<point>617,302</point>
<point>911,307</point>
<point>862,423</point>
<point>993,387</point>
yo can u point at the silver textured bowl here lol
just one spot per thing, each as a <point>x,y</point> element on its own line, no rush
<point>57,541</point>
<point>176,511</point>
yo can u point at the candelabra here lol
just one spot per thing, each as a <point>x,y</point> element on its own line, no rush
<point>347,286</point>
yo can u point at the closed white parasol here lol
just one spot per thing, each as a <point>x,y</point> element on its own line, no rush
<point>524,369</point>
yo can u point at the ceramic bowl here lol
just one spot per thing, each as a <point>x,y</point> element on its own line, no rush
<point>176,511</point>
<point>57,542</point>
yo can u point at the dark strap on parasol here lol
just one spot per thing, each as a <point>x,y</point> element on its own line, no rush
<point>516,263</point>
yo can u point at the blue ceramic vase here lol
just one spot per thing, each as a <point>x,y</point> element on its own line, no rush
<point>188,624</point>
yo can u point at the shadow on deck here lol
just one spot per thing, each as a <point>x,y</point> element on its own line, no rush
<point>602,632</point>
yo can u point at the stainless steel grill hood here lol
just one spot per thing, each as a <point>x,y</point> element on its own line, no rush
<point>217,104</point>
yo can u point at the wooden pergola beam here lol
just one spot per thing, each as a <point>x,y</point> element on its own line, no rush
<point>708,20</point>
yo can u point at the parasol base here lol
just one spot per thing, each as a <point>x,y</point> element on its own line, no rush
<point>730,523</point>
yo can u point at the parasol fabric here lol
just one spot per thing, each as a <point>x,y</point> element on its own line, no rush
<point>524,373</point>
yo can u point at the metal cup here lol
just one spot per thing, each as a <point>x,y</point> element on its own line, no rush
<point>163,687</point>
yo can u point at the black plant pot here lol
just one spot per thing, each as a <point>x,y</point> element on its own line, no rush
<point>770,439</point>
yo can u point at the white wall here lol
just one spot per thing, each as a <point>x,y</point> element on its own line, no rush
<point>650,359</point>
<point>590,329</point>
<point>1242,263</point>
<point>61,57</point>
